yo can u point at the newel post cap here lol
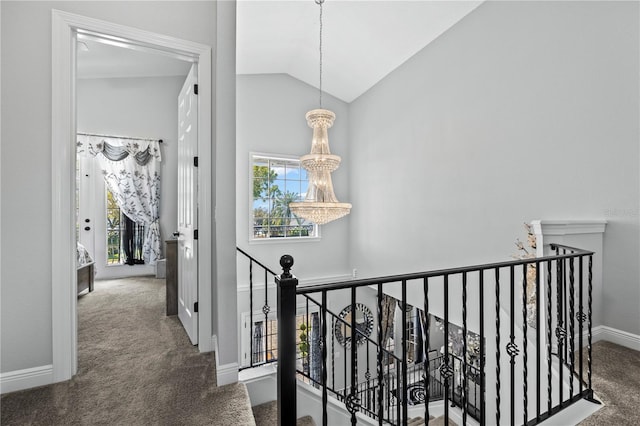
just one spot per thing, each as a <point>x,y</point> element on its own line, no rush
<point>286,261</point>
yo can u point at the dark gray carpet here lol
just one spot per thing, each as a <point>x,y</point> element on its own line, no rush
<point>136,366</point>
<point>616,381</point>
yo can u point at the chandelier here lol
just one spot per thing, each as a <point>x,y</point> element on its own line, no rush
<point>320,205</point>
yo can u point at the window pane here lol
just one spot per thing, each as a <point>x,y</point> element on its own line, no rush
<point>277,182</point>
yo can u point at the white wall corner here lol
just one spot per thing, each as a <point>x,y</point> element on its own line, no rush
<point>583,234</point>
<point>13,381</point>
<point>225,373</point>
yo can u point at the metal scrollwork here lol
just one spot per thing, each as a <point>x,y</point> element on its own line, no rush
<point>364,325</point>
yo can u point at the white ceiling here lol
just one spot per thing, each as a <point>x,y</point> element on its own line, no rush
<point>363,41</point>
<point>106,59</point>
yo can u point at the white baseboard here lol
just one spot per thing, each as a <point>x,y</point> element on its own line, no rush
<point>619,337</point>
<point>225,373</point>
<point>25,379</point>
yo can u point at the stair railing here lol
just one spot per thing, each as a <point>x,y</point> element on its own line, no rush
<point>257,355</point>
<point>541,323</point>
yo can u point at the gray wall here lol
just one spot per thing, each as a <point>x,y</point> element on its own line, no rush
<point>271,119</point>
<point>139,107</point>
<point>26,153</point>
<point>522,111</point>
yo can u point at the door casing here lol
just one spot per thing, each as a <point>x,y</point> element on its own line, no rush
<point>65,26</point>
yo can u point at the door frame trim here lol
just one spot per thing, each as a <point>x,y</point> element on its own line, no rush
<point>63,156</point>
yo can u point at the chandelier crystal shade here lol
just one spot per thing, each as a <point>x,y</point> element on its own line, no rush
<point>320,205</point>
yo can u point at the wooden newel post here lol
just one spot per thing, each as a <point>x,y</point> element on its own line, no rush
<point>287,388</point>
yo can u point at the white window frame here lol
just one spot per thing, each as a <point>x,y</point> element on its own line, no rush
<point>273,240</point>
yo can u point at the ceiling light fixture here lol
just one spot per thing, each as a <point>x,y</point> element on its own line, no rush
<point>320,205</point>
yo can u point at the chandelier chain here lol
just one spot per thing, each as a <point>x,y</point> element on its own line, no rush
<point>320,3</point>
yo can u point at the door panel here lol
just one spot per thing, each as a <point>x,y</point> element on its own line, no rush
<point>187,206</point>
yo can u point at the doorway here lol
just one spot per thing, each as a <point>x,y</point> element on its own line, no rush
<point>65,30</point>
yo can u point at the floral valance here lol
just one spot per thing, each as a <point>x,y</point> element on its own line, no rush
<point>117,149</point>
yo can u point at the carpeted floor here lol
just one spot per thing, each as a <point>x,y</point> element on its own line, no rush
<point>616,382</point>
<point>136,366</point>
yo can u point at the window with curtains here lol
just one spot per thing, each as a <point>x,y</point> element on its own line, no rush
<point>264,341</point>
<point>131,171</point>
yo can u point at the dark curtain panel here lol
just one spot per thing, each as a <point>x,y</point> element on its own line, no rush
<point>258,352</point>
<point>133,241</point>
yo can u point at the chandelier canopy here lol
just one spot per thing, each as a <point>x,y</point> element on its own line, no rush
<point>320,205</point>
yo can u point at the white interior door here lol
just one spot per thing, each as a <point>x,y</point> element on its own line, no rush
<point>187,206</point>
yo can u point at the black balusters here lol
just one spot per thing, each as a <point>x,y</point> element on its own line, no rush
<point>352,400</point>
<point>559,324</point>
<point>525,358</point>
<point>549,336</point>
<point>482,361</point>
<point>325,398</point>
<point>381,390</point>
<point>497,303</point>
<point>512,348</point>
<point>465,382</point>
<point>427,345</point>
<point>265,310</point>
<point>538,396</point>
<point>403,377</point>
<point>333,353</point>
<point>571,324</point>
<point>563,307</point>
<point>445,369</point>
<point>589,325</point>
<point>581,319</point>
<point>251,325</point>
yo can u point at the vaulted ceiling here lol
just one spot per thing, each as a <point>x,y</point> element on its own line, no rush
<point>363,41</point>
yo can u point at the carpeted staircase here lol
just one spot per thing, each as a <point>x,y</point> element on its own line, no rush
<point>267,415</point>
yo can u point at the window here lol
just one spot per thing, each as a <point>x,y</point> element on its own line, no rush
<point>114,231</point>
<point>264,336</point>
<point>276,182</point>
<point>125,238</point>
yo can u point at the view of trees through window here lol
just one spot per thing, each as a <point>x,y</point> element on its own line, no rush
<point>276,183</point>
<point>125,238</point>
<point>115,254</point>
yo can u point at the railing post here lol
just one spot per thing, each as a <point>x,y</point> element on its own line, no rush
<point>287,387</point>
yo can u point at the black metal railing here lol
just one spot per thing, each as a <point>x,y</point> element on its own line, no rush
<point>263,348</point>
<point>536,308</point>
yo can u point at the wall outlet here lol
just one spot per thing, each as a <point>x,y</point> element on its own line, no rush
<point>354,274</point>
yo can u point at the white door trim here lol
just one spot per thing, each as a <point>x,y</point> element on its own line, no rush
<point>63,128</point>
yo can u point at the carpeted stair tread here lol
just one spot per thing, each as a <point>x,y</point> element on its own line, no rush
<point>439,421</point>
<point>267,415</point>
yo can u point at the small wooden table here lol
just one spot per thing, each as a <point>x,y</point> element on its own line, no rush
<point>171,276</point>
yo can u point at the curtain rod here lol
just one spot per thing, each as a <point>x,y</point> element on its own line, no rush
<point>118,137</point>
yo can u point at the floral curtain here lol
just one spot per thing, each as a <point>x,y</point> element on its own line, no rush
<point>131,169</point>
